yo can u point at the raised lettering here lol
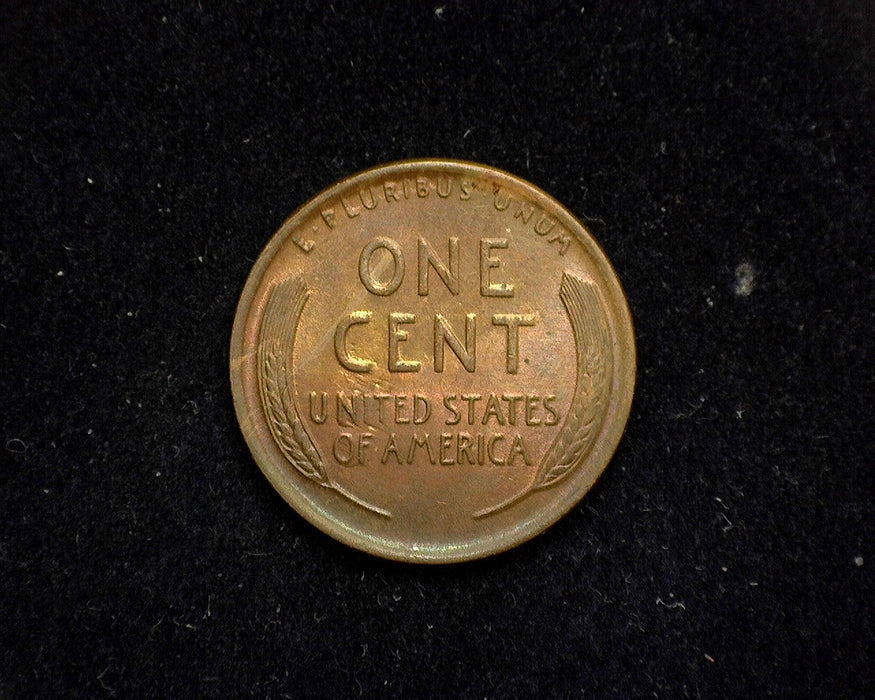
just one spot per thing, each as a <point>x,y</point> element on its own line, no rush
<point>493,410</point>
<point>512,401</point>
<point>513,322</point>
<point>351,362</point>
<point>304,244</point>
<point>548,406</point>
<point>328,217</point>
<point>428,258</point>
<point>318,415</point>
<point>487,263</point>
<point>501,200</point>
<point>457,416</point>
<point>545,225</point>
<point>370,202</point>
<point>517,449</point>
<point>390,448</point>
<point>350,210</point>
<point>389,191</point>
<point>421,409</point>
<point>380,399</point>
<point>400,401</point>
<point>397,336</point>
<point>463,448</point>
<point>421,187</point>
<point>497,437</point>
<point>446,447</point>
<point>420,441</point>
<point>443,333</point>
<point>347,409</point>
<point>562,238</point>
<point>444,186</point>
<point>471,399</point>
<point>373,285</point>
<point>524,212</point>
<point>363,443</point>
<point>343,456</point>
<point>531,407</point>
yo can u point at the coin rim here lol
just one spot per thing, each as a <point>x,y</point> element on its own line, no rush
<point>495,542</point>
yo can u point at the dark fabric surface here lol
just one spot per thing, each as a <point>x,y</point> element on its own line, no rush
<point>723,157</point>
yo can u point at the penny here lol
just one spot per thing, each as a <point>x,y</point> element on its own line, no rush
<point>432,361</point>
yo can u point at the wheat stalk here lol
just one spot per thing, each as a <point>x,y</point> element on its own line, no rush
<point>576,438</point>
<point>284,423</point>
<point>280,323</point>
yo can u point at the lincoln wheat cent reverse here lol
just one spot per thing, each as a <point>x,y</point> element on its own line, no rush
<point>432,361</point>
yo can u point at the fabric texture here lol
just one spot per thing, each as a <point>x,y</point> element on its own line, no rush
<point>722,155</point>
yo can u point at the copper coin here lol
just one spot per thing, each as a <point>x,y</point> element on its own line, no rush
<point>432,361</point>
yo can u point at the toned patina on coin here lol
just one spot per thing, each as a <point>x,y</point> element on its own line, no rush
<point>432,361</point>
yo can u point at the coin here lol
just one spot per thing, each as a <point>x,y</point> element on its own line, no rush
<point>432,361</point>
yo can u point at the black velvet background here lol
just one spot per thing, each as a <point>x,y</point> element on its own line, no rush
<point>149,152</point>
